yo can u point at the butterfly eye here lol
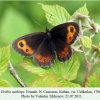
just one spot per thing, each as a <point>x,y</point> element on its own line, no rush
<point>21,44</point>
<point>71,29</point>
<point>27,50</point>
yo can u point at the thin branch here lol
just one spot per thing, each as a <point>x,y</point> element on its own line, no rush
<point>95,62</point>
<point>15,75</point>
<point>82,47</point>
<point>84,54</point>
<point>92,57</point>
<point>86,30</point>
<point>85,58</point>
<point>88,66</point>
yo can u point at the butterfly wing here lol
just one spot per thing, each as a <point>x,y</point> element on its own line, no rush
<point>66,32</point>
<point>63,50</point>
<point>44,57</point>
<point>28,44</point>
<point>63,36</point>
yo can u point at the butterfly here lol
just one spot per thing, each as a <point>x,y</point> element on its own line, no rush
<point>45,46</point>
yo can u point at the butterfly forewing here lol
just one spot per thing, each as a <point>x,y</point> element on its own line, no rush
<point>66,32</point>
<point>28,44</point>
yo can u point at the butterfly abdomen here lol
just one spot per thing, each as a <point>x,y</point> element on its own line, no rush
<point>51,46</point>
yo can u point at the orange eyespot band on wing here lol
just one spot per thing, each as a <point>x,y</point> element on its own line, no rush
<point>23,46</point>
<point>71,33</point>
<point>43,59</point>
<point>64,53</point>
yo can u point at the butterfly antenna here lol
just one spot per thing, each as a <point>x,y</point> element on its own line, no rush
<point>38,23</point>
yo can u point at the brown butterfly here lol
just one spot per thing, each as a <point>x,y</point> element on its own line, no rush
<point>43,46</point>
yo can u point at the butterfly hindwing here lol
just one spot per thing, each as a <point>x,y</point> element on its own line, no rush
<point>44,57</point>
<point>63,50</point>
<point>66,32</point>
<point>28,44</point>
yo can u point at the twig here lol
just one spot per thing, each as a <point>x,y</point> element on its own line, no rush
<point>92,57</point>
<point>88,65</point>
<point>95,62</point>
<point>85,58</point>
<point>82,47</point>
<point>15,75</point>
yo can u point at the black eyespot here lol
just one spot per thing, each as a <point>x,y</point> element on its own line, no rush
<point>27,50</point>
<point>49,59</point>
<point>40,58</point>
<point>63,55</point>
<point>71,29</point>
<point>21,44</point>
<point>70,38</point>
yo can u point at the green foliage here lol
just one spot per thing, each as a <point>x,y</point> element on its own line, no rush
<point>67,70</point>
<point>64,83</point>
<point>82,15</point>
<point>4,59</point>
<point>93,80</point>
<point>56,14</point>
<point>87,42</point>
<point>83,10</point>
<point>46,81</point>
<point>4,83</point>
<point>29,65</point>
<point>17,25</point>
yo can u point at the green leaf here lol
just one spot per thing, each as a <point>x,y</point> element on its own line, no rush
<point>29,65</point>
<point>4,58</point>
<point>87,42</point>
<point>82,15</point>
<point>56,14</point>
<point>64,83</point>
<point>93,80</point>
<point>46,81</point>
<point>4,83</point>
<point>83,10</point>
<point>67,70</point>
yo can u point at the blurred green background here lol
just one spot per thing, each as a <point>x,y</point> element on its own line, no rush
<point>18,18</point>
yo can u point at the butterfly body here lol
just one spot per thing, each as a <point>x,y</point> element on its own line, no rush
<point>43,46</point>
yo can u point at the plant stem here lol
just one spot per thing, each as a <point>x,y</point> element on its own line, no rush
<point>88,65</point>
<point>95,62</point>
<point>15,75</point>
